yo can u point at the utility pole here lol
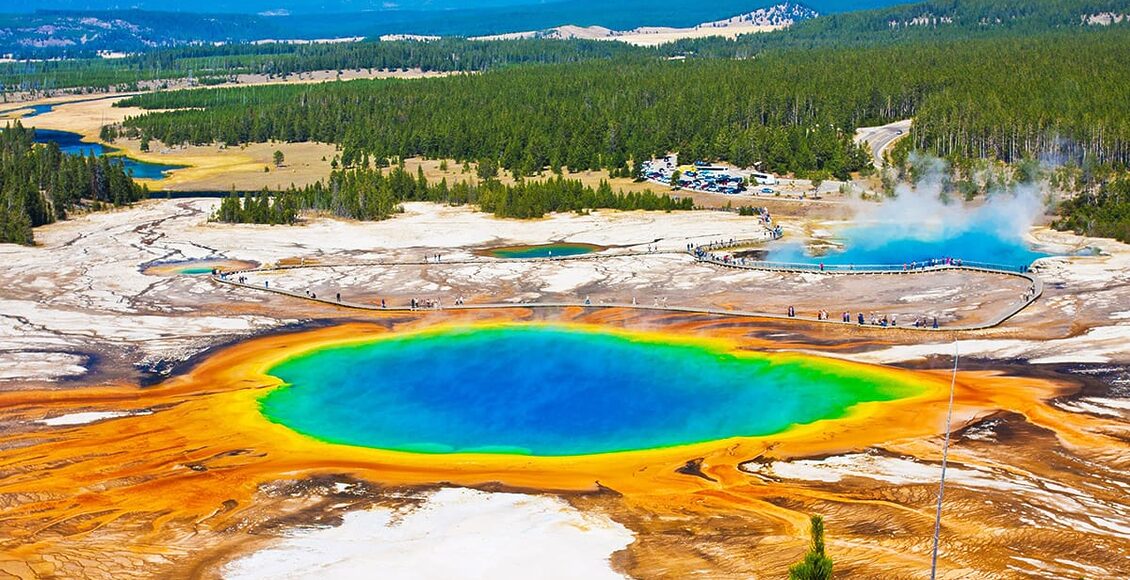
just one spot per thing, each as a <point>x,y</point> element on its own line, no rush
<point>945,458</point>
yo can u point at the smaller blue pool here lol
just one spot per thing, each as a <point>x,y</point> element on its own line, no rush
<point>72,144</point>
<point>555,250</point>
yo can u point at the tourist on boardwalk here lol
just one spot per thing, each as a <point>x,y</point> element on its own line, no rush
<point>792,312</point>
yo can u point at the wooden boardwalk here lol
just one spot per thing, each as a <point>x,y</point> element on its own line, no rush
<point>231,278</point>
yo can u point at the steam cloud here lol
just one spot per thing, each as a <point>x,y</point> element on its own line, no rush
<point>922,222</point>
<point>923,211</point>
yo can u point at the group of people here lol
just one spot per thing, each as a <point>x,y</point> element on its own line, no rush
<point>239,279</point>
<point>427,304</point>
<point>775,231</point>
<point>704,248</point>
<point>874,319</point>
<point>428,258</point>
<point>922,322</point>
<point>916,265</point>
<point>705,251</point>
<point>227,276</point>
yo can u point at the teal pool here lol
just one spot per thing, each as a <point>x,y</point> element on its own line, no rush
<point>558,390</point>
<point>198,267</point>
<point>555,250</point>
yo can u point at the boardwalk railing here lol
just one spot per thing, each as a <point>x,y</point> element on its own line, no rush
<point>705,253</point>
<point>696,252</point>
<point>860,268</point>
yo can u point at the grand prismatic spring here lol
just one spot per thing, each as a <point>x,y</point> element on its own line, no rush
<point>557,391</point>
<point>354,301</point>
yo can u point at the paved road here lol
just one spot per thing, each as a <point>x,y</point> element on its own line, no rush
<point>879,138</point>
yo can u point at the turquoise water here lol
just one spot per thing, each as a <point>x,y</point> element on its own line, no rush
<point>72,144</point>
<point>543,251</point>
<point>893,245</point>
<point>556,391</point>
<point>197,267</point>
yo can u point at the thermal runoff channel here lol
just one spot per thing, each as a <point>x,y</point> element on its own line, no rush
<point>549,390</point>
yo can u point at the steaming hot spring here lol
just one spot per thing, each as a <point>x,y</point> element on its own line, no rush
<point>916,227</point>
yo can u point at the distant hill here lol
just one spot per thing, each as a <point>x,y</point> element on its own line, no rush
<point>932,19</point>
<point>75,33</point>
<point>974,15</point>
<point>52,33</point>
<point>248,7</point>
<point>773,17</point>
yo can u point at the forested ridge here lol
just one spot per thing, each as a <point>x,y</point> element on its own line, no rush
<point>39,184</point>
<point>213,64</point>
<point>583,116</point>
<point>933,20</point>
<point>1011,80</point>
<point>793,111</point>
<point>81,32</point>
<point>376,194</point>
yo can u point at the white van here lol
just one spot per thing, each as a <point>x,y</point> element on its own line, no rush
<point>763,178</point>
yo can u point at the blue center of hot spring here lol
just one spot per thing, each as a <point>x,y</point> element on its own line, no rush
<point>557,391</point>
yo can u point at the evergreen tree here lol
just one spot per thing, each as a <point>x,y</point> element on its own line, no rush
<point>815,566</point>
<point>39,184</point>
<point>1004,97</point>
